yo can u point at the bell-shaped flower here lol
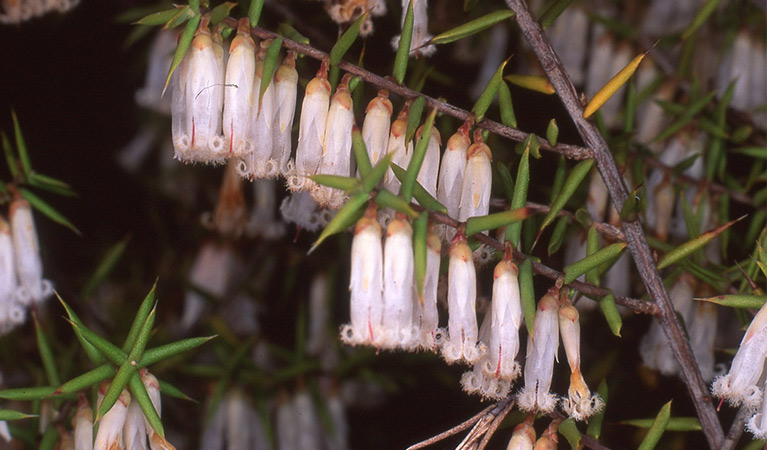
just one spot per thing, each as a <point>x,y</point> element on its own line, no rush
<point>757,425</point>
<point>83,424</point>
<point>263,221</point>
<point>285,91</point>
<point>11,313</point>
<point>523,437</point>
<point>197,112</point>
<point>338,438</point>
<point>475,193</point>
<point>134,430</point>
<point>238,94</point>
<point>366,284</point>
<point>375,128</point>
<point>402,151</point>
<point>306,423</point>
<point>286,424</point>
<point>32,287</point>
<point>210,273</point>
<point>461,342</point>
<point>301,209</point>
<point>160,57</point>
<point>337,146</point>
<point>398,280</point>
<point>426,316</point>
<point>740,385</point>
<point>317,340</point>
<point>110,433</point>
<point>452,170</point>
<point>311,132</point>
<point>257,164</point>
<point>243,424</point>
<point>429,172</point>
<point>476,381</point>
<point>580,404</point>
<point>506,318</point>
<point>229,217</point>
<point>542,349</point>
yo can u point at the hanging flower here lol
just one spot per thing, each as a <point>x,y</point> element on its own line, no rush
<point>285,91</point>
<point>475,192</point>
<point>83,424</point>
<point>110,433</point>
<point>375,128</point>
<point>452,170</point>
<point>523,437</point>
<point>427,175</point>
<point>757,425</point>
<point>506,318</point>
<point>306,423</point>
<point>238,96</point>
<point>580,404</point>
<point>228,219</point>
<point>11,312</point>
<point>542,349</point>
<point>210,273</point>
<point>426,316</point>
<point>160,57</point>
<point>26,250</point>
<point>398,282</point>
<point>263,221</point>
<point>401,150</point>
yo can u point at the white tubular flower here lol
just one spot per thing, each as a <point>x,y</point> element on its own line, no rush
<point>212,437</point>
<point>337,146</point>
<point>702,332</point>
<point>287,428</point>
<point>475,193</point>
<point>319,311</point>
<point>263,221</point>
<point>285,88</point>
<point>339,438</point>
<point>660,192</point>
<point>156,442</point>
<point>542,349</point>
<point>523,437</point>
<point>757,425</point>
<point>83,424</point>
<point>401,150</point>
<point>134,430</point>
<point>238,421</point>
<point>375,128</point>
<point>427,175</point>
<point>301,209</point>
<point>739,386</point>
<point>461,344</point>
<point>202,82</point>
<point>452,170</point>
<point>160,56</point>
<point>476,381</point>
<point>311,133</point>
<point>426,316</point>
<point>29,266</point>
<point>366,284</point>
<point>238,94</point>
<point>210,273</point>
<point>503,346</point>
<point>8,281</point>
<point>306,423</point>
<point>257,164</point>
<point>580,404</point>
<point>110,434</point>
<point>397,320</point>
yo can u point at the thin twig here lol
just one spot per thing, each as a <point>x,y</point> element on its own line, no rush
<point>635,237</point>
<point>455,430</point>
<point>494,426</point>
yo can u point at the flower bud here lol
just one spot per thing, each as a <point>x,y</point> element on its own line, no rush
<point>475,193</point>
<point>110,434</point>
<point>29,266</point>
<point>238,94</point>
<point>228,219</point>
<point>523,437</point>
<point>549,439</point>
<point>311,133</point>
<point>542,349</point>
<point>375,128</point>
<point>285,89</point>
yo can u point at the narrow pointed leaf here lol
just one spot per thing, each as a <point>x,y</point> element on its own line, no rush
<point>527,293</point>
<point>703,14</point>
<point>195,5</point>
<point>634,205</point>
<point>533,82</point>
<point>370,180</point>
<point>559,177</point>
<point>737,300</point>
<point>420,228</point>
<point>686,117</point>
<point>49,439</point>
<point>270,65</point>
<point>403,51</point>
<point>254,11</point>
<point>417,159</point>
<point>94,355</point>
<point>674,423</point>
<point>158,18</point>
<point>577,175</point>
<point>137,350</point>
<point>478,224</point>
<point>346,40</point>
<point>10,158</point>
<point>558,236</point>
<point>46,355</point>
<point>105,267</point>
<point>221,12</point>
<point>141,396</point>
<point>343,219</point>
<point>578,268</point>
<point>595,423</point>
<point>88,379</point>
<point>109,350</point>
<point>611,313</point>
<point>592,246</point>
<point>47,210</point>
<point>183,45</point>
<point>506,106</point>
<point>692,245</point>
<point>27,394</point>
<point>182,16</point>
<point>488,95</point>
<point>552,12</point>
<point>612,86</point>
<point>119,382</point>
<point>172,391</point>
<point>388,200</point>
<point>414,117</point>
<point>346,184</point>
<point>291,33</point>
<point>141,316</point>
<point>569,430</point>
<point>157,354</point>
<point>473,27</point>
<point>361,153</point>
<point>657,428</point>
<point>514,231</point>
<point>552,132</point>
<point>50,184</point>
<point>21,146</point>
<point>507,184</point>
<point>7,414</point>
<point>422,195</point>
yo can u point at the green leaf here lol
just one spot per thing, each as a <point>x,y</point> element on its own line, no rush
<point>527,293</point>
<point>137,350</point>
<point>172,391</point>
<point>195,5</point>
<point>422,195</point>
<point>657,428</point>
<point>221,12</point>
<point>105,267</point>
<point>552,12</point>
<point>94,355</point>
<point>420,228</point>
<point>674,423</point>
<point>21,147</point>
<point>634,205</point>
<point>7,414</point>
<point>505,104</point>
<point>737,300</point>
<point>254,11</point>
<point>377,173</point>
<point>158,18</point>
<point>486,98</point>
<point>183,45</point>
<point>46,355</point>
<point>91,378</point>
<point>578,268</point>
<point>157,354</point>
<point>558,236</point>
<point>270,65</point>
<point>346,40</point>
<point>686,117</point>
<point>569,430</point>
<point>577,175</point>
<point>144,310</point>
<point>345,184</point>
<point>535,83</point>
<point>361,153</point>
<point>403,50</point>
<point>49,439</point>
<point>595,423</point>
<point>119,382</point>
<point>559,177</point>
<point>472,27</point>
<point>141,396</point>
<point>27,393</point>
<point>692,245</point>
<point>181,16</point>
<point>478,224</point>
<point>388,200</point>
<point>592,246</point>
<point>111,351</point>
<point>704,13</point>
<point>507,184</point>
<point>514,231</point>
<point>414,117</point>
<point>343,219</point>
<point>754,152</point>
<point>10,159</point>
<point>47,209</point>
<point>292,34</point>
<point>50,184</point>
<point>552,132</point>
<point>417,158</point>
<point>611,313</point>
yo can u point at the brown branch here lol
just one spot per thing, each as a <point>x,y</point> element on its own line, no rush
<point>494,425</point>
<point>736,429</point>
<point>633,230</point>
<point>455,430</point>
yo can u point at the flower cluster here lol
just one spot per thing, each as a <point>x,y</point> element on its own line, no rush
<point>21,269</point>
<point>17,11</point>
